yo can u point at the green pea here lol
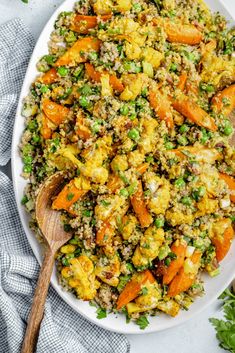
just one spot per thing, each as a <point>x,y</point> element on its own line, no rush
<point>32,125</point>
<point>86,90</point>
<point>93,56</point>
<point>70,37</point>
<point>27,149</point>
<point>133,134</point>
<point>198,193</point>
<point>186,200</point>
<point>159,222</point>
<point>96,127</point>
<point>83,101</point>
<point>182,140</point>
<point>173,67</point>
<point>184,128</point>
<point>50,59</point>
<point>62,71</point>
<point>44,89</point>
<point>27,168</point>
<point>180,183</point>
<point>28,159</point>
<point>228,129</point>
<point>86,213</point>
<point>169,145</point>
<point>131,66</point>
<point>137,7</point>
<point>132,117</point>
<point>24,200</point>
<point>124,192</point>
<point>205,136</point>
<point>124,110</point>
<point>144,92</point>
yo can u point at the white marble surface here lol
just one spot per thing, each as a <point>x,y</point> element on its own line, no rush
<point>195,336</point>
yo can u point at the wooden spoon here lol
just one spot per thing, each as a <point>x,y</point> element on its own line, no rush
<point>54,237</point>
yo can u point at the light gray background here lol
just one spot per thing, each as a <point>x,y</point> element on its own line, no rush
<point>195,336</point>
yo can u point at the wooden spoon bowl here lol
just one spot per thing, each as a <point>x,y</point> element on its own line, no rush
<point>54,237</point>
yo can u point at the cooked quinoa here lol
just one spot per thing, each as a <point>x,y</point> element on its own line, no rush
<point>133,102</point>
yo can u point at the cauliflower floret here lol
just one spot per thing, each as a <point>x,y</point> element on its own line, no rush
<point>153,57</point>
<point>135,158</point>
<point>149,246</point>
<point>133,86</point>
<point>129,226</point>
<point>132,51</point>
<point>178,218</point>
<point>147,142</point>
<point>108,270</point>
<point>103,7</point>
<point>81,276</point>
<point>113,205</point>
<point>119,163</point>
<point>160,193</point>
<point>146,301</point>
<point>207,206</point>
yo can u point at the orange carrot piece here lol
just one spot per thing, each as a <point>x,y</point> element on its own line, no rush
<point>183,281</point>
<point>162,107</point>
<point>133,288</point>
<point>96,76</point>
<point>182,81</point>
<point>203,154</point>
<point>74,55</point>
<point>55,112</point>
<point>114,183</point>
<point>180,33</point>
<point>223,242</point>
<point>68,196</point>
<point>194,113</point>
<point>138,204</point>
<point>104,234</point>
<point>49,77</point>
<point>179,250</point>
<point>230,181</point>
<point>141,169</point>
<point>224,101</point>
<point>82,23</point>
<point>45,131</point>
<point>81,129</point>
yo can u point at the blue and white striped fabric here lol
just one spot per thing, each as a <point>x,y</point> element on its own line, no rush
<point>62,329</point>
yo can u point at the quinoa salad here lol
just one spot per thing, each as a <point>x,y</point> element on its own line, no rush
<point>134,103</point>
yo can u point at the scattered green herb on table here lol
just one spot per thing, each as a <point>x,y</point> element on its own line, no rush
<point>226,328</point>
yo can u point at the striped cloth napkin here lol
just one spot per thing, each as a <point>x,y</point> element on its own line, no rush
<point>62,329</point>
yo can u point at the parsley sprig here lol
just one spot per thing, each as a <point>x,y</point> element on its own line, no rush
<point>226,328</point>
<point>143,322</point>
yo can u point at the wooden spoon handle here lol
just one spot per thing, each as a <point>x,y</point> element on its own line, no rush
<point>37,309</point>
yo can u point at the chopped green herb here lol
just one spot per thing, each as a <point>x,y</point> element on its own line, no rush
<point>70,196</point>
<point>143,322</point>
<point>101,313</point>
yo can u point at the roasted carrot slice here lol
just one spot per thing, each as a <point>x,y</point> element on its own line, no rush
<point>114,183</point>
<point>185,277</point>
<point>68,196</point>
<point>46,132</point>
<point>224,101</point>
<point>222,236</point>
<point>133,288</point>
<point>74,55</point>
<point>194,113</point>
<point>230,181</point>
<point>141,169</point>
<point>104,234</point>
<point>203,154</point>
<point>179,250</point>
<point>82,23</point>
<point>55,112</point>
<point>138,204</point>
<point>81,129</point>
<point>49,77</point>
<point>182,81</point>
<point>179,33</point>
<point>96,76</point>
<point>162,107</point>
